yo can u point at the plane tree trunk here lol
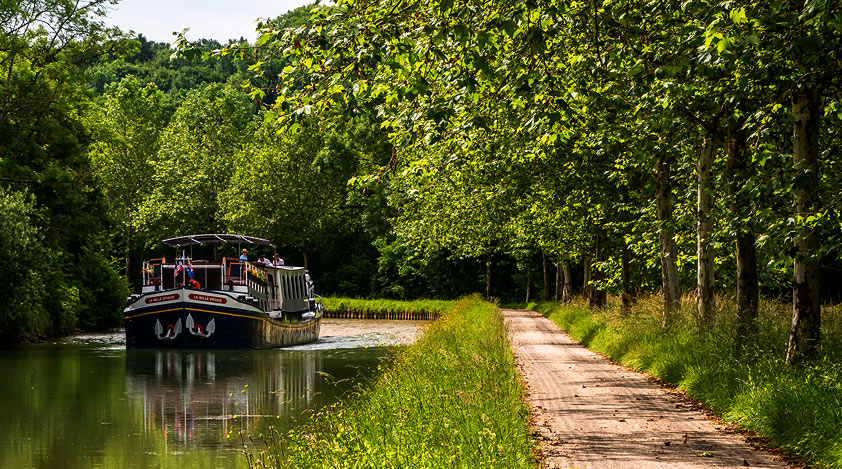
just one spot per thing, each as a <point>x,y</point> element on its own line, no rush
<point>546,276</point>
<point>666,241</point>
<point>705,301</point>
<point>805,333</point>
<point>565,290</point>
<point>746,252</point>
<point>598,297</point>
<point>628,296</point>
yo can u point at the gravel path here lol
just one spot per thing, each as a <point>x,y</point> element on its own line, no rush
<point>591,413</point>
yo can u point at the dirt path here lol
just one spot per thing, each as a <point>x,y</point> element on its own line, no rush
<point>591,413</point>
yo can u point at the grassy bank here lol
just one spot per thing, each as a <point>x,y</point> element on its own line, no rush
<point>453,399</point>
<point>797,409</point>
<point>385,309</point>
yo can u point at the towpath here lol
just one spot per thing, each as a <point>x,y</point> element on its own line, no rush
<point>592,413</point>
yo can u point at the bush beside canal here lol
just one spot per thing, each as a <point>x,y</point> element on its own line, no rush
<point>453,399</point>
<point>798,409</point>
<point>350,308</point>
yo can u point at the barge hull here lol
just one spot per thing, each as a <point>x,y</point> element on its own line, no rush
<point>201,319</point>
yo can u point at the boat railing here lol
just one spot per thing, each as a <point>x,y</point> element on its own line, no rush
<point>158,275</point>
<point>258,285</point>
<point>276,288</point>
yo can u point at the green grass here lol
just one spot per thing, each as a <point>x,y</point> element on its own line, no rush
<point>453,399</point>
<point>798,409</point>
<point>372,307</point>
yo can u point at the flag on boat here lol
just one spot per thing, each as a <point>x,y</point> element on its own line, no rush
<point>177,270</point>
<point>190,270</point>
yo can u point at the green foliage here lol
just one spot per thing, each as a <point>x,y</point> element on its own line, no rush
<point>195,164</point>
<point>796,408</point>
<point>126,127</point>
<point>451,399</point>
<point>44,48</point>
<point>523,127</point>
<point>26,268</point>
<point>283,191</point>
<point>102,291</point>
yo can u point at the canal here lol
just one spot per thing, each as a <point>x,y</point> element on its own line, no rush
<point>88,402</point>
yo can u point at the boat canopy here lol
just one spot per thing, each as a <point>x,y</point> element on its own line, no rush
<point>214,238</point>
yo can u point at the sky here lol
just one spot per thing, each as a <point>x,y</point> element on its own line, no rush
<point>207,19</point>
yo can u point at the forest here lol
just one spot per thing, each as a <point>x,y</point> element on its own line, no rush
<point>433,149</point>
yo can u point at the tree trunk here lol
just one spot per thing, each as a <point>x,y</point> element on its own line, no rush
<point>628,297</point>
<point>586,279</point>
<point>741,210</point>
<point>306,256</point>
<point>528,285</point>
<point>666,242</point>
<point>128,239</point>
<point>598,295</point>
<point>546,275</point>
<point>565,291</point>
<point>488,275</point>
<point>557,282</point>
<point>705,302</point>
<point>805,333</point>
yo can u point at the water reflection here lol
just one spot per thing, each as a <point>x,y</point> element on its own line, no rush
<point>82,406</point>
<point>205,397</point>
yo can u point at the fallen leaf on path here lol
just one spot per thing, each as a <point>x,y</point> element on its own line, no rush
<point>706,455</point>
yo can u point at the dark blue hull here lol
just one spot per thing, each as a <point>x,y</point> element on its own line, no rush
<point>200,319</point>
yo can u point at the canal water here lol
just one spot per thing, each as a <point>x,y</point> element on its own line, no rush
<point>87,402</point>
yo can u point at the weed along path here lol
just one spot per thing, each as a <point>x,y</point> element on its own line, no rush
<point>591,413</point>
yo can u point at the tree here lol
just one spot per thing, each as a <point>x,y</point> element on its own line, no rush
<point>195,164</point>
<point>22,309</point>
<point>128,124</point>
<point>289,186</point>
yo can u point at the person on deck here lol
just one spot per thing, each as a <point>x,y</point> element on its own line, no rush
<point>263,260</point>
<point>244,256</point>
<point>277,261</point>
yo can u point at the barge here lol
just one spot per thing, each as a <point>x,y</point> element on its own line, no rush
<point>230,303</point>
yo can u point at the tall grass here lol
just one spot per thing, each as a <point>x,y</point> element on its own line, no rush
<point>432,308</point>
<point>453,399</point>
<point>798,409</point>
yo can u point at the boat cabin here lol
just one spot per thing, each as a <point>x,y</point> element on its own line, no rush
<point>273,288</point>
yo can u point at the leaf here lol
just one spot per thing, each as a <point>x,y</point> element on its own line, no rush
<point>738,16</point>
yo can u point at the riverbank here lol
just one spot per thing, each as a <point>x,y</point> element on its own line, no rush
<point>352,308</point>
<point>452,399</point>
<point>799,410</point>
